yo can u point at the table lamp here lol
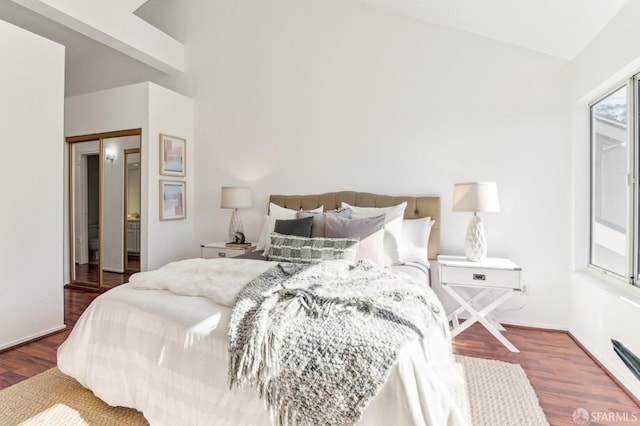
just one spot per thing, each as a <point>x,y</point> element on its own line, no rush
<point>475,197</point>
<point>233,197</point>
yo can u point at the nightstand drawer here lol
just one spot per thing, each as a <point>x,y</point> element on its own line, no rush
<point>225,253</point>
<point>215,250</point>
<point>211,253</point>
<point>482,277</point>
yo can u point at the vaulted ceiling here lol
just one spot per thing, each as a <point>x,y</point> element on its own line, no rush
<point>560,28</point>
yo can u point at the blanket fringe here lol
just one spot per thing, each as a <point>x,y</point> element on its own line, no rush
<point>257,360</point>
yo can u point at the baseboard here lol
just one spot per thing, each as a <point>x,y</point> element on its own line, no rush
<point>116,270</point>
<point>32,338</point>
<point>536,328</point>
<point>527,325</point>
<point>533,326</point>
<point>605,369</point>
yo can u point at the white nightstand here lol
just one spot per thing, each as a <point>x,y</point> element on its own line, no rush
<point>458,275</point>
<point>220,249</point>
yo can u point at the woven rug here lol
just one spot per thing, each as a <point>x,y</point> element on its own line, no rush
<point>499,394</point>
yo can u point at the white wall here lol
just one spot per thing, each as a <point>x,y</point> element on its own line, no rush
<point>597,311</point>
<point>306,97</point>
<point>31,113</point>
<point>153,109</point>
<point>172,114</point>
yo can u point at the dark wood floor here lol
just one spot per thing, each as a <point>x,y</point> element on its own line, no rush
<point>562,374</point>
<point>89,272</point>
<point>564,377</point>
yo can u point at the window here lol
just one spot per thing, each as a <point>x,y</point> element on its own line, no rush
<point>610,167</point>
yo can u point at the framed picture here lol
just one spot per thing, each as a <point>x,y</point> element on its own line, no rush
<point>173,156</point>
<point>173,202</point>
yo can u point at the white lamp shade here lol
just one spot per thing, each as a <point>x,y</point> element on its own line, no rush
<point>475,197</point>
<point>233,197</point>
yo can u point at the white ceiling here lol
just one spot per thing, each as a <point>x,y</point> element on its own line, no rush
<point>560,28</point>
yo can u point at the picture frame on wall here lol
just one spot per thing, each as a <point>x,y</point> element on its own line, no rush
<point>173,156</point>
<point>173,195</point>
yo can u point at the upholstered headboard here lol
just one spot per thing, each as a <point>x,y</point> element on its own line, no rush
<point>417,207</point>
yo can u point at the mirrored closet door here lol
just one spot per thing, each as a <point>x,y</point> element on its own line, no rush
<point>132,211</point>
<point>104,206</point>
<point>84,190</point>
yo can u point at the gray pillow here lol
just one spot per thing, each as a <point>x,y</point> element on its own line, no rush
<point>289,248</point>
<point>318,227</point>
<point>339,227</point>
<point>298,227</point>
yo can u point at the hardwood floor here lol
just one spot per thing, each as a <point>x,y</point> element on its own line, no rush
<point>563,375</point>
<point>89,272</point>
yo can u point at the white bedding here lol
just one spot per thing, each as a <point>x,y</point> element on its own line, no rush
<point>166,355</point>
<point>217,279</point>
<point>418,271</point>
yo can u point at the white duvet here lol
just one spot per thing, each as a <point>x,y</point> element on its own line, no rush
<point>165,354</point>
<point>217,279</point>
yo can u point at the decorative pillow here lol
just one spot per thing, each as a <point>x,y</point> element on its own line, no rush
<point>276,212</point>
<point>298,227</point>
<point>340,227</point>
<point>370,231</point>
<point>318,227</point>
<point>289,248</point>
<point>415,240</point>
<point>392,226</point>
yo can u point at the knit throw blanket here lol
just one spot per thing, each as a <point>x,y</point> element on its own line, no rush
<point>318,341</point>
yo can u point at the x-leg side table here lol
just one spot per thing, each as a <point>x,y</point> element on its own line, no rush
<point>458,276</point>
<point>473,301</point>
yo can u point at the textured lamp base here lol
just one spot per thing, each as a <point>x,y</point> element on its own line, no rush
<point>475,244</point>
<point>235,225</point>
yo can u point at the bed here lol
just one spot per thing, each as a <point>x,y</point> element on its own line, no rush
<point>167,355</point>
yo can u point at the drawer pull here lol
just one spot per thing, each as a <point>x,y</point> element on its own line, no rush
<point>222,254</point>
<point>479,277</point>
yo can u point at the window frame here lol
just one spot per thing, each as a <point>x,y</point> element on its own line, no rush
<point>632,260</point>
<point>632,179</point>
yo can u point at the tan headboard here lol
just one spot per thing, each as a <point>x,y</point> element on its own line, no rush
<point>417,207</point>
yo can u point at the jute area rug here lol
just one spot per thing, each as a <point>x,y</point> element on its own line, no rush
<point>499,394</point>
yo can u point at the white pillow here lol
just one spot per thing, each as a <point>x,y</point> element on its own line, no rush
<point>276,212</point>
<point>415,240</point>
<point>392,227</point>
<point>264,233</point>
<point>372,248</point>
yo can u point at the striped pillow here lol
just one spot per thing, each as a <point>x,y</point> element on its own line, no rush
<point>290,248</point>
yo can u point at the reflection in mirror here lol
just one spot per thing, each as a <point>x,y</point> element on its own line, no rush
<point>115,210</point>
<point>132,209</point>
<point>85,195</point>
